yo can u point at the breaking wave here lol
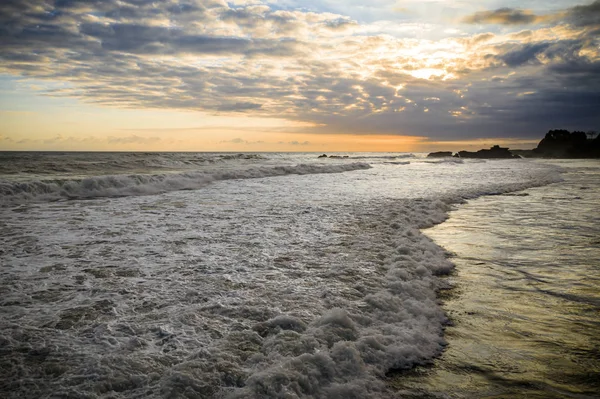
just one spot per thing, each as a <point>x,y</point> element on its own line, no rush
<point>106,163</point>
<point>12,193</point>
<point>396,156</point>
<point>277,300</point>
<point>448,160</point>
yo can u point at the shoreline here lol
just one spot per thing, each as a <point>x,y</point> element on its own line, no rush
<point>375,267</point>
<point>450,374</point>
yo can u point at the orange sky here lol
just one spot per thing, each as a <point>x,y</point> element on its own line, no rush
<point>301,76</point>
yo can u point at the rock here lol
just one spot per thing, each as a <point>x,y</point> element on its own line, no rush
<point>564,144</point>
<point>496,152</point>
<point>322,156</point>
<point>439,154</point>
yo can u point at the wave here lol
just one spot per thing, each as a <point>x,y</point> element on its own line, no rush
<point>399,156</point>
<point>395,325</point>
<point>105,163</point>
<point>12,193</point>
<point>368,308</point>
<point>446,160</point>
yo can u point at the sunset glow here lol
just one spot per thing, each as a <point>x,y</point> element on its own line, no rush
<point>258,75</point>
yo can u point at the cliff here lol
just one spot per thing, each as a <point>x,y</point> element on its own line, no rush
<point>564,144</point>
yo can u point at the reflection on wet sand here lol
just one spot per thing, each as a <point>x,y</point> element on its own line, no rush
<point>525,307</point>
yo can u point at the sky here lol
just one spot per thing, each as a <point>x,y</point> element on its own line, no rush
<point>288,75</point>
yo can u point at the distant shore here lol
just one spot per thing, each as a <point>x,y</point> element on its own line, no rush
<point>556,144</point>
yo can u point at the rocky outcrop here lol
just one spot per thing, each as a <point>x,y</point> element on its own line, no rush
<point>333,156</point>
<point>564,144</point>
<point>439,154</point>
<point>496,152</point>
<point>556,144</point>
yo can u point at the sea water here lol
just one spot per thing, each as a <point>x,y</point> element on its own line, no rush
<point>525,302</point>
<point>231,275</point>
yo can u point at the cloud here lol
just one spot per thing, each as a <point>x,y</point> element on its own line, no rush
<point>321,68</point>
<point>142,39</point>
<point>69,140</point>
<point>483,37</point>
<point>340,24</point>
<point>235,141</point>
<point>133,139</point>
<point>580,16</point>
<point>524,54</point>
<point>585,15</point>
<point>238,140</point>
<point>524,34</point>
<point>239,107</point>
<point>503,16</point>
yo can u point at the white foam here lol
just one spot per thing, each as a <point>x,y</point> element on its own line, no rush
<point>315,286</point>
<point>143,184</point>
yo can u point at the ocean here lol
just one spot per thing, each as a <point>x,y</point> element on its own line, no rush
<point>364,275</point>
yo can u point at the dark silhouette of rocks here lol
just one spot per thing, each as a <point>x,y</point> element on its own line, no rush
<point>558,143</point>
<point>495,152</point>
<point>333,156</point>
<point>564,144</point>
<point>440,154</point>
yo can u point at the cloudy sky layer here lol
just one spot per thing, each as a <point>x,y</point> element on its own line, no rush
<point>290,75</point>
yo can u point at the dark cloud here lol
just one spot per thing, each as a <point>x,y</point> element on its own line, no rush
<point>580,16</point>
<point>253,18</point>
<point>339,24</point>
<point>142,39</point>
<point>217,58</point>
<point>524,54</point>
<point>59,25</point>
<point>563,90</point>
<point>503,16</point>
<point>585,15</point>
<point>238,107</point>
<point>554,53</point>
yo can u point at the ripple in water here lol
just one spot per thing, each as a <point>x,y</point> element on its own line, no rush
<point>526,303</point>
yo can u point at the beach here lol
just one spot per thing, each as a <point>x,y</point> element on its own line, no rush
<point>276,274</point>
<point>525,302</point>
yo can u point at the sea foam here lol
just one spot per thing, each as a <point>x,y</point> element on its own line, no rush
<point>318,287</point>
<point>12,193</point>
<point>392,322</point>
